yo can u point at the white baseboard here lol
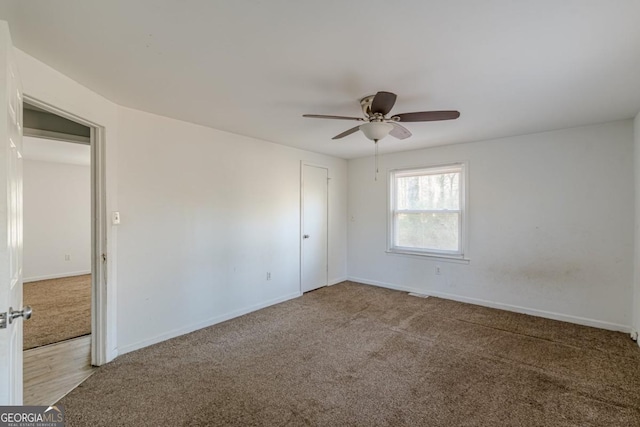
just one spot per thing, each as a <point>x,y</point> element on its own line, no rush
<point>508,307</point>
<point>634,336</point>
<point>209,322</point>
<point>336,281</point>
<point>55,276</point>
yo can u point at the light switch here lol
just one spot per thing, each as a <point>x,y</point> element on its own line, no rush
<point>115,218</point>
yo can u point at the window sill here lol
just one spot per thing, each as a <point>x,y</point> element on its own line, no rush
<point>439,257</point>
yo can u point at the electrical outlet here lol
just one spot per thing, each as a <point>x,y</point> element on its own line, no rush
<point>67,257</point>
<point>437,270</point>
<point>268,275</point>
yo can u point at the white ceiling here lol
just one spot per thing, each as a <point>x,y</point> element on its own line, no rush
<point>49,150</point>
<point>254,67</point>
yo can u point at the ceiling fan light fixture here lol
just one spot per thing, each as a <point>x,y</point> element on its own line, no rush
<point>375,131</point>
<point>375,109</point>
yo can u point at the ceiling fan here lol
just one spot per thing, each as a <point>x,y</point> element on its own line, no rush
<point>375,109</point>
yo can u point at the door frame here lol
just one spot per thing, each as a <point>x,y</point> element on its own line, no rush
<point>315,165</point>
<point>99,300</point>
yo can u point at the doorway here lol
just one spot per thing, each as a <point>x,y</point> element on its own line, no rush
<point>314,227</point>
<point>58,267</point>
<point>12,311</point>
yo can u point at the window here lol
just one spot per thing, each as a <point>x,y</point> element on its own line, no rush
<point>427,211</point>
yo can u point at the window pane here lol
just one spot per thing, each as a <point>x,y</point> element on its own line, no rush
<point>439,231</point>
<point>429,192</point>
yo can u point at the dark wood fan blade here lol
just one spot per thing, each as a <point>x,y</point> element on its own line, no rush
<point>321,116</point>
<point>383,102</point>
<point>347,132</point>
<point>399,132</point>
<point>426,116</point>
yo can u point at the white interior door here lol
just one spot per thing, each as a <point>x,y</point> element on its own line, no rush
<point>10,224</point>
<point>315,227</point>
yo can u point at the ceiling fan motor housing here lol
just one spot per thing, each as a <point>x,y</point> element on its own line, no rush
<point>365,103</point>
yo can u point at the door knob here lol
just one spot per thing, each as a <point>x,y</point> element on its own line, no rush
<point>24,313</point>
<point>306,236</point>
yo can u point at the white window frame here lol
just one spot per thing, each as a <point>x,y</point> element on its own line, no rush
<point>462,253</point>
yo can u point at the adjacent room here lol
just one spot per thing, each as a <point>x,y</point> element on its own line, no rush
<point>56,227</point>
<point>354,213</point>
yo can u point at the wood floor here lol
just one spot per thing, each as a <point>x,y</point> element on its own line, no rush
<point>52,371</point>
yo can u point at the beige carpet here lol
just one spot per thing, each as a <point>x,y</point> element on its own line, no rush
<point>355,355</point>
<point>61,310</point>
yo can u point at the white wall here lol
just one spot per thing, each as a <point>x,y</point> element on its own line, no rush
<point>550,219</point>
<point>183,232</point>
<point>185,225</point>
<point>205,215</point>
<point>636,284</point>
<point>57,219</point>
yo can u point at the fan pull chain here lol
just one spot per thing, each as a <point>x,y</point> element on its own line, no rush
<point>375,143</point>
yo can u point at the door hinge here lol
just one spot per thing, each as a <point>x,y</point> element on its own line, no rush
<point>3,320</point>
